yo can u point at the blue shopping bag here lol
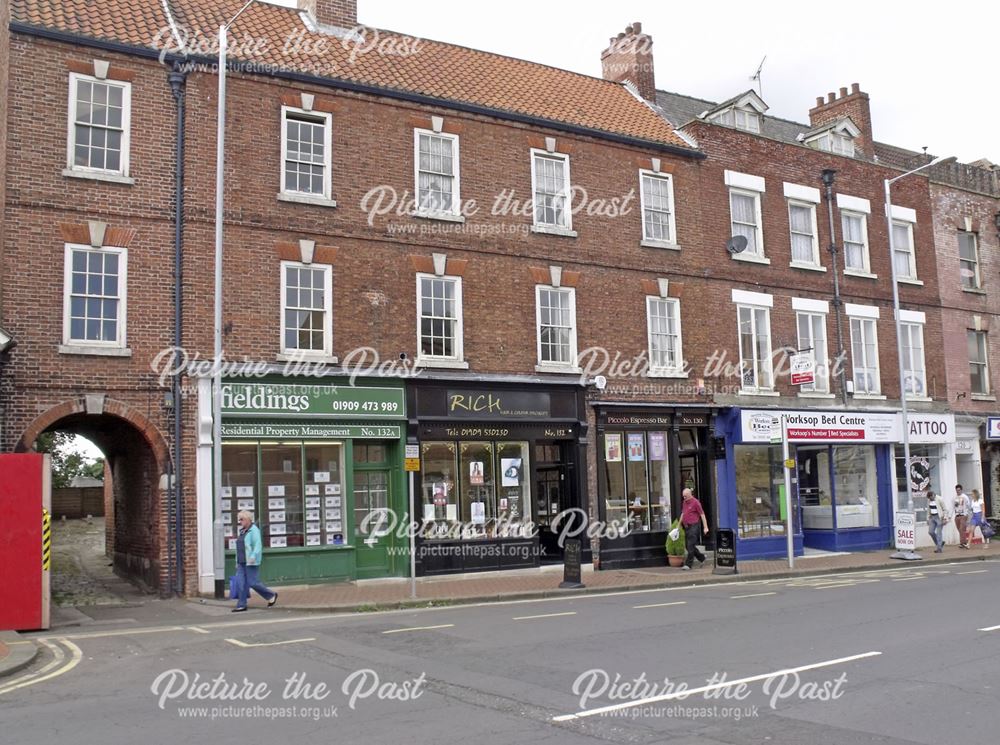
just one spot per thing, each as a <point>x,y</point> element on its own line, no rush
<point>234,587</point>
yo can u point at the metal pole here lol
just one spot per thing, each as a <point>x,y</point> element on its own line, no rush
<point>786,456</point>
<point>413,544</point>
<point>837,302</point>
<point>219,556</point>
<point>902,370</point>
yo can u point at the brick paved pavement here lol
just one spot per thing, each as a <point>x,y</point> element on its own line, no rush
<point>380,594</point>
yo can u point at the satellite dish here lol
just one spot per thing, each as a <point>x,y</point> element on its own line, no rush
<point>737,244</point>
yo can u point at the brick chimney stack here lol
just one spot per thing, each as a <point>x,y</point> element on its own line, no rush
<point>629,56</point>
<point>339,13</point>
<point>854,105</point>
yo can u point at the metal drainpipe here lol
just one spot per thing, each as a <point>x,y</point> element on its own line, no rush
<point>177,79</point>
<point>828,174</point>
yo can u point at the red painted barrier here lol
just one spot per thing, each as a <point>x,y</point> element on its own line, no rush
<point>23,487</point>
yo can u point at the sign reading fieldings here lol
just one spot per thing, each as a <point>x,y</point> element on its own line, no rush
<point>315,401</point>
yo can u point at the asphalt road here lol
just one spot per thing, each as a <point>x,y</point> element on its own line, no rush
<point>885,657</point>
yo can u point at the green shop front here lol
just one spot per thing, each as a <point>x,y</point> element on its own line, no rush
<point>319,466</point>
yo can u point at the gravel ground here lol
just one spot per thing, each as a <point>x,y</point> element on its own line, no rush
<point>81,573</point>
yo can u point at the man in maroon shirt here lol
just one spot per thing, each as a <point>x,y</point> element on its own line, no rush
<point>691,515</point>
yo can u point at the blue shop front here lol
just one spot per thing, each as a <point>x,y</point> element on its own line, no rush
<point>842,479</point>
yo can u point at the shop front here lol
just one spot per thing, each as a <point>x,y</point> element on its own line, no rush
<point>935,465</point>
<point>842,480</point>
<point>319,466</point>
<point>647,455</point>
<point>501,473</point>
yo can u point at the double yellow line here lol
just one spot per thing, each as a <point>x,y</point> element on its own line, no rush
<point>65,656</point>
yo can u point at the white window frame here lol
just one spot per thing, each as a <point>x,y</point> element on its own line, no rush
<point>457,359</point>
<point>841,144</point>
<point>668,179</point>
<point>815,263</point>
<point>755,389</point>
<point>327,351</point>
<point>123,171</point>
<point>570,366</point>
<point>749,117</point>
<point>121,336</point>
<point>316,117</point>
<point>907,328</point>
<point>822,366</point>
<point>977,280</point>
<point>543,227</point>
<point>910,249</point>
<point>456,195</point>
<point>985,362</point>
<point>748,255</point>
<point>655,370</point>
<point>863,319</point>
<point>865,257</point>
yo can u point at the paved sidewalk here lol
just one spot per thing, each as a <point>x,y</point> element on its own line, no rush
<point>536,583</point>
<point>15,653</point>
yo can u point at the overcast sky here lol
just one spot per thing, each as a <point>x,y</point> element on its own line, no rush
<point>936,87</point>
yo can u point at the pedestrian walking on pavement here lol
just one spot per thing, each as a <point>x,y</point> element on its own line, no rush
<point>248,558</point>
<point>978,517</point>
<point>936,520</point>
<point>691,515</point>
<point>962,506</point>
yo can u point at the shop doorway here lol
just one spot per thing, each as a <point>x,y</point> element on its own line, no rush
<point>554,495</point>
<point>371,504</point>
<point>693,473</point>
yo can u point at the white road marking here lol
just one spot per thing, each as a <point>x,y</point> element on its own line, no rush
<point>661,605</point>
<point>544,615</point>
<point>29,680</point>
<point>199,630</point>
<point>419,628</point>
<point>833,585</point>
<point>714,686</point>
<point>976,571</point>
<point>754,595</point>
<point>238,643</point>
<point>907,579</point>
<point>990,628</point>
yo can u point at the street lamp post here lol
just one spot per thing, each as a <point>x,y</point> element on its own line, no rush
<point>909,555</point>
<point>220,161</point>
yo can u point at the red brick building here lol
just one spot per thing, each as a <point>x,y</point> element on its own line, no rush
<point>763,181</point>
<point>522,271</point>
<point>364,186</point>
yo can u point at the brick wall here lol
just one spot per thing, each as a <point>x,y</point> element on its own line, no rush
<point>777,163</point>
<point>957,211</point>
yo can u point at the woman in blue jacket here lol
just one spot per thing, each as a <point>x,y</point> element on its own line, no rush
<point>248,558</point>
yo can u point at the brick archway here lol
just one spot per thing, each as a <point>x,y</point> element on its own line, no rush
<point>137,529</point>
<point>111,407</point>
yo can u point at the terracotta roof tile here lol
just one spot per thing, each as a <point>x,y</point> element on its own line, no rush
<point>434,69</point>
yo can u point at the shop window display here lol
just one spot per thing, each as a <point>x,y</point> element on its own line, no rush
<point>760,490</point>
<point>637,480</point>
<point>925,474</point>
<point>484,486</point>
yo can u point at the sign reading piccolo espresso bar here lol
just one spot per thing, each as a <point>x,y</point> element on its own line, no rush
<point>258,400</point>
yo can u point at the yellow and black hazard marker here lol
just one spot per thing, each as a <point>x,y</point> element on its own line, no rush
<point>46,539</point>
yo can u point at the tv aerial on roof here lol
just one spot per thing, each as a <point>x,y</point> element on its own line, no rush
<point>737,244</point>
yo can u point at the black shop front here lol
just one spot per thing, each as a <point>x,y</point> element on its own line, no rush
<point>646,456</point>
<point>502,471</point>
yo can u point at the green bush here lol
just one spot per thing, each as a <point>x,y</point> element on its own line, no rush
<point>678,547</point>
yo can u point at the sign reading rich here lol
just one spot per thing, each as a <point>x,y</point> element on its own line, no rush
<point>499,404</point>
